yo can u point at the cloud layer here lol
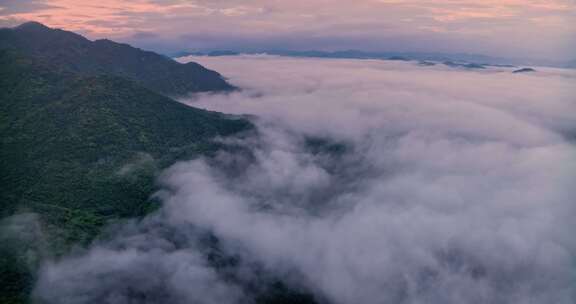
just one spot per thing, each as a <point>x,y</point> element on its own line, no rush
<point>370,181</point>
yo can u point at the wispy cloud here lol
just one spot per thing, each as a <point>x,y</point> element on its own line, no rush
<point>444,186</point>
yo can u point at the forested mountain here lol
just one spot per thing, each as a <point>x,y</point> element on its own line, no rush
<point>78,54</point>
<point>83,132</point>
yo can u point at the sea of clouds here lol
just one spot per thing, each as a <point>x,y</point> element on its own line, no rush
<point>368,182</point>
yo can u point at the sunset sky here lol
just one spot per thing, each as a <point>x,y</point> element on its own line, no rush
<point>507,28</point>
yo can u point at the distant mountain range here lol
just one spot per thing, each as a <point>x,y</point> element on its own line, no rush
<point>84,129</point>
<point>73,52</point>
<point>356,54</point>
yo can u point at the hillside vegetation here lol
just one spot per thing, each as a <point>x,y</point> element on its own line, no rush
<point>104,57</point>
<point>80,147</point>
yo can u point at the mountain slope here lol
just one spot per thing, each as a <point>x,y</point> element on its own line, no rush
<point>54,123</point>
<point>80,150</point>
<point>78,54</point>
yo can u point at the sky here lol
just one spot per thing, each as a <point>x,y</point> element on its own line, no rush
<point>450,186</point>
<point>543,29</point>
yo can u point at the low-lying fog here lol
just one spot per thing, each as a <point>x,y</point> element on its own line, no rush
<point>370,182</point>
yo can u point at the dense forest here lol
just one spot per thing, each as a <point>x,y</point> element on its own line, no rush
<point>84,129</point>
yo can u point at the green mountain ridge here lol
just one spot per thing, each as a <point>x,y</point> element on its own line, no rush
<point>50,117</point>
<point>80,148</point>
<point>74,52</point>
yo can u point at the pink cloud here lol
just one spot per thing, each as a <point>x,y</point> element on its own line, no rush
<point>494,20</point>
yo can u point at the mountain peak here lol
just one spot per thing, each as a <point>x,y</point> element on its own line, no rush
<point>76,53</point>
<point>32,25</point>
